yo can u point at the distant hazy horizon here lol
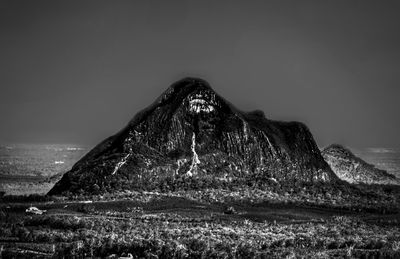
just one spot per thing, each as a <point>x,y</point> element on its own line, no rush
<point>48,159</point>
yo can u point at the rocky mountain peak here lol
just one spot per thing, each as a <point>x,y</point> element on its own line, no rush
<point>184,87</point>
<point>191,131</point>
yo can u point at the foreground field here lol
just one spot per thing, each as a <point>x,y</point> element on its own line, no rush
<point>152,225</point>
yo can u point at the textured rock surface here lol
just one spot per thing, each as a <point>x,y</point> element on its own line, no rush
<point>189,133</point>
<point>352,169</point>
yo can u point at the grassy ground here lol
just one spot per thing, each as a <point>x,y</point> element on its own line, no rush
<point>185,225</point>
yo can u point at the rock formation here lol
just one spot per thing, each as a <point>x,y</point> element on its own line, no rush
<point>353,169</point>
<point>190,137</point>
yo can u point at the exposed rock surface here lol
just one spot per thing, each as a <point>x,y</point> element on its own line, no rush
<point>191,133</point>
<point>353,169</point>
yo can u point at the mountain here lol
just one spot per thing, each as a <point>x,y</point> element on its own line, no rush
<point>191,137</point>
<point>353,169</point>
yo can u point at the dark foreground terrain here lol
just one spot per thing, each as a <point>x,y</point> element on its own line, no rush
<point>240,223</point>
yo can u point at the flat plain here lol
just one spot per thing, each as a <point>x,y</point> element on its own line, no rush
<point>241,222</point>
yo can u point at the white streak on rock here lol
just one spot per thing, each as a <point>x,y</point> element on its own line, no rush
<point>121,163</point>
<point>245,131</point>
<point>127,145</point>
<point>195,158</point>
<point>269,143</point>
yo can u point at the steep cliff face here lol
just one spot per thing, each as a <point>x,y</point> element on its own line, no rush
<point>353,169</point>
<point>189,133</point>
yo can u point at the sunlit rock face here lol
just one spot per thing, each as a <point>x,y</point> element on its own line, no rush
<point>191,133</point>
<point>353,169</point>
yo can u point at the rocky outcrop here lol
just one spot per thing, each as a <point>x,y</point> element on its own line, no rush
<point>190,137</point>
<point>353,169</point>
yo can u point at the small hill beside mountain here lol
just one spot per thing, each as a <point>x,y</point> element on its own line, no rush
<point>353,169</point>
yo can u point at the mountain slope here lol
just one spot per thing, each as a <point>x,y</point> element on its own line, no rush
<point>351,168</point>
<point>190,137</point>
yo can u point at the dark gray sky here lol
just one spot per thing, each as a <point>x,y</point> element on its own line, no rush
<point>77,71</point>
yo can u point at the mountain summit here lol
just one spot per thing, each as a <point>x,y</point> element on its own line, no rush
<point>191,137</point>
